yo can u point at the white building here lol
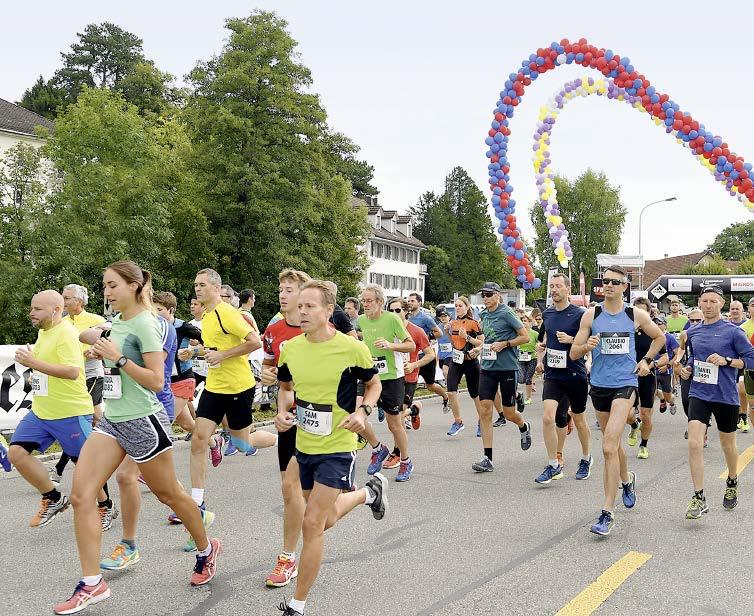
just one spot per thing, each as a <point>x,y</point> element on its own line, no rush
<point>18,124</point>
<point>393,251</point>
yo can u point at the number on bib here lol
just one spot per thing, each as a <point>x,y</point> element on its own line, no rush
<point>445,347</point>
<point>557,359</point>
<point>39,384</point>
<point>524,356</point>
<point>615,343</point>
<point>457,356</point>
<point>314,418</point>
<point>381,364</point>
<point>488,353</point>
<point>111,385</point>
<point>705,372</point>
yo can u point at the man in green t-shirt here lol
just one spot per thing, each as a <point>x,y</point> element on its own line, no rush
<point>676,320</point>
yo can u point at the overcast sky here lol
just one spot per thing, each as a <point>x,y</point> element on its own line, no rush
<point>414,84</point>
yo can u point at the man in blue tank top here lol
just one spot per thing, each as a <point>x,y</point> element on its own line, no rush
<point>608,331</point>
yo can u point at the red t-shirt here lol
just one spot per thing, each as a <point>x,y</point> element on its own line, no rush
<point>275,335</point>
<point>422,342</point>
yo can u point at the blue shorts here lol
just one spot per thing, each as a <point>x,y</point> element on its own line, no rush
<point>334,470</point>
<point>70,432</point>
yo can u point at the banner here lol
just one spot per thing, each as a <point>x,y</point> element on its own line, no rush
<point>15,394</point>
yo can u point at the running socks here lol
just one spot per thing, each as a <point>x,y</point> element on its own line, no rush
<point>52,496</point>
<point>105,503</point>
<point>294,604</point>
<point>289,555</point>
<point>92,580</point>
<point>198,495</point>
<point>241,445</point>
<point>488,453</point>
<point>635,425</point>
<point>205,552</point>
<point>643,442</point>
<point>378,446</point>
<point>131,543</point>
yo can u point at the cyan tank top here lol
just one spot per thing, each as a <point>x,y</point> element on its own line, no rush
<point>613,360</point>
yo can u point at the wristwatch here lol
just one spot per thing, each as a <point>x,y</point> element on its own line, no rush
<point>648,359</point>
<point>122,361</point>
<point>728,361</point>
<point>367,409</point>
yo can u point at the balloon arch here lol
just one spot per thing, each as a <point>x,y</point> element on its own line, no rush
<point>625,84</point>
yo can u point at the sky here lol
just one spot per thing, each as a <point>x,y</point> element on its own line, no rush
<point>414,85</point>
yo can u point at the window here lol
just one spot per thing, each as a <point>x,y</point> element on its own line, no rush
<point>403,254</point>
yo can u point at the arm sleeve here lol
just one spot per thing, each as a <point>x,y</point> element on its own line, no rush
<point>236,324</point>
<point>267,344</point>
<point>69,351</point>
<point>151,336</point>
<point>513,320</point>
<point>423,340</point>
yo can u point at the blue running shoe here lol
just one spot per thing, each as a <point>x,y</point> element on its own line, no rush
<point>549,474</point>
<point>585,468</point>
<point>629,491</point>
<point>380,414</point>
<point>231,450</point>
<point>455,429</point>
<point>604,524</point>
<point>251,452</point>
<point>479,429</point>
<point>483,466</point>
<point>4,461</point>
<point>405,471</point>
<point>378,458</point>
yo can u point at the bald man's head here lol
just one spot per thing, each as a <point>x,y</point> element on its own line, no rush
<point>46,309</point>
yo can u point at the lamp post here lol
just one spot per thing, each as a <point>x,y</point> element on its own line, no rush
<point>642,214</point>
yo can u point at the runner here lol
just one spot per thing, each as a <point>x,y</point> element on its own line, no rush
<point>444,346</point>
<point>718,350</point>
<point>608,331</point>
<point>565,381</point>
<point>527,358</point>
<point>681,358</point>
<point>423,319</point>
<point>387,340</point>
<point>748,378</point>
<point>246,300</point>
<point>502,332</point>
<point>135,424</point>
<point>61,408</point>
<point>736,317</point>
<point>665,371</point>
<point>464,361</point>
<point>676,320</point>
<point>324,365</point>
<point>352,308</point>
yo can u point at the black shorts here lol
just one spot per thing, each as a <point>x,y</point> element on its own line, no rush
<point>428,373</point>
<point>526,370</point>
<point>505,380</point>
<point>409,389</point>
<point>334,470</point>
<point>286,447</point>
<point>470,369</point>
<point>602,397</point>
<point>391,398</point>
<point>665,382</point>
<point>573,392</point>
<point>726,415</point>
<point>647,388</point>
<point>94,385</point>
<point>446,362</point>
<point>749,382</point>
<point>236,407</point>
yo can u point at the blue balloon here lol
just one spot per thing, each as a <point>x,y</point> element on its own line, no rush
<point>519,254</point>
<point>521,269</point>
<point>521,278</point>
<point>537,283</point>
<point>510,250</point>
<point>609,54</point>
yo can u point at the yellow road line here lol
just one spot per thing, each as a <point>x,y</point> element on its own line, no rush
<point>746,456</point>
<point>594,595</point>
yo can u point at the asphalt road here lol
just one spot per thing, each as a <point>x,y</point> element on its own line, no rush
<point>454,542</point>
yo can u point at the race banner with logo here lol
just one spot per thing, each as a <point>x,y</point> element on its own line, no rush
<point>15,394</point>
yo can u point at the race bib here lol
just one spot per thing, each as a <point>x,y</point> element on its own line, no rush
<point>615,343</point>
<point>314,418</point>
<point>705,372</point>
<point>111,386</point>
<point>524,356</point>
<point>488,353</point>
<point>199,365</point>
<point>457,356</point>
<point>557,359</point>
<point>445,347</point>
<point>39,384</point>
<point>381,364</point>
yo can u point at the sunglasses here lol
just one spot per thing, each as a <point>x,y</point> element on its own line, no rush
<point>713,288</point>
<point>695,320</point>
<point>225,296</point>
<point>612,281</point>
<point>398,310</point>
<point>487,293</point>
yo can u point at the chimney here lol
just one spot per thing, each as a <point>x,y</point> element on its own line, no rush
<point>374,201</point>
<point>666,256</point>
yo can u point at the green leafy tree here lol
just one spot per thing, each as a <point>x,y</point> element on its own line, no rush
<point>593,215</point>
<point>149,88</point>
<point>735,241</point>
<point>715,267</point>
<point>746,265</point>
<point>360,173</point>
<point>44,98</point>
<point>270,190</point>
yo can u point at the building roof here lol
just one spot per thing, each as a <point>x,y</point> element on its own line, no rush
<point>19,120</point>
<point>675,265</point>
<point>384,233</point>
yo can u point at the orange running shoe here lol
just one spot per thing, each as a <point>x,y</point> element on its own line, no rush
<point>393,461</point>
<point>283,573</point>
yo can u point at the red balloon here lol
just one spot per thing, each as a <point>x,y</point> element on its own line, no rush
<point>510,218</point>
<point>512,227</point>
<point>518,245</point>
<point>530,277</point>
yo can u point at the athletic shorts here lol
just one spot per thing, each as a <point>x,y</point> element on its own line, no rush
<point>142,439</point>
<point>94,385</point>
<point>574,392</point>
<point>470,369</point>
<point>428,373</point>
<point>749,383</point>
<point>446,361</point>
<point>184,389</point>
<point>665,382</point>
<point>35,433</point>
<point>726,415</point>
<point>334,470</point>
<point>409,389</point>
<point>286,447</point>
<point>504,380</point>
<point>392,396</point>
<point>561,413</point>
<point>647,388</point>
<point>526,371</point>
<point>236,407</point>
<point>602,397</point>
<point>199,378</point>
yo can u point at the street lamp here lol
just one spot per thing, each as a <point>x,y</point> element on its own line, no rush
<point>642,214</point>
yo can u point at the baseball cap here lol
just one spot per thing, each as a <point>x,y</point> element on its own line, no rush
<point>659,319</point>
<point>491,286</point>
<point>751,302</point>
<point>439,311</point>
<point>673,298</point>
<point>712,288</point>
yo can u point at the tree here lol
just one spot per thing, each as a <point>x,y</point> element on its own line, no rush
<point>593,215</point>
<point>716,267</point>
<point>270,189</point>
<point>463,250</point>
<point>746,265</point>
<point>735,241</point>
<point>149,88</point>
<point>343,156</point>
<point>44,98</point>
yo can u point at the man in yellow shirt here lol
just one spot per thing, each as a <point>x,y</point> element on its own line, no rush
<point>61,408</point>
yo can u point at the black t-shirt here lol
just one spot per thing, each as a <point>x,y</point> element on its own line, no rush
<point>567,320</point>
<point>341,321</point>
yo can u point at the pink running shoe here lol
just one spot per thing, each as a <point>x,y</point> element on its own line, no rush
<point>205,567</point>
<point>285,570</point>
<point>83,596</point>
<point>216,452</point>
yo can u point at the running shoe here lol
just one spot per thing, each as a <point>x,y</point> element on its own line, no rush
<point>730,499</point>
<point>378,485</point>
<point>520,403</point>
<point>208,518</point>
<point>500,421</point>
<point>633,435</point>
<point>643,453</point>
<point>287,610</point>
<point>549,474</point>
<point>406,471</point>
<point>206,566</point>
<point>527,401</point>
<point>559,457</point>
<point>629,491</point>
<point>123,556</point>
<point>483,466</point>
<point>393,461</point>
<point>745,427</point>
<point>526,437</point>
<point>107,515</point>
<point>216,451</point>
<point>174,519</point>
<point>380,414</point>
<point>445,406</point>
<point>478,430</point>
<point>252,451</point>
<point>230,450</point>
<point>416,419</point>
<point>407,423</point>
<point>663,406</point>
<point>82,596</point>
<point>604,524</point>
<point>378,458</point>
<point>285,570</point>
<point>48,510</point>
<point>455,428</point>
<point>673,408</point>
<point>4,461</point>
<point>585,468</point>
<point>697,508</point>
